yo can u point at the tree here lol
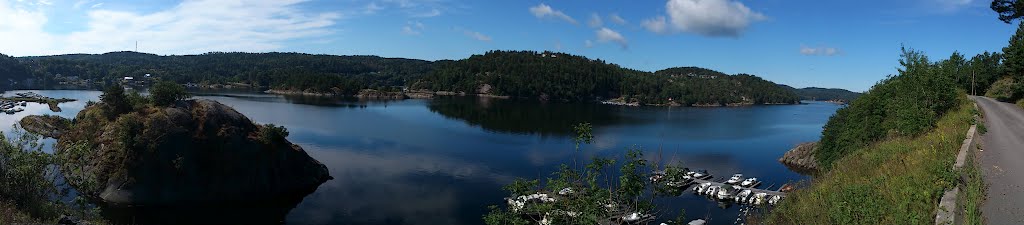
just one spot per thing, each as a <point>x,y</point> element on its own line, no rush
<point>165,93</point>
<point>114,101</point>
<point>1008,10</point>
<point>1014,53</point>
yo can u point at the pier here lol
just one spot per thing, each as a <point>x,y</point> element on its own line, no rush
<point>740,188</point>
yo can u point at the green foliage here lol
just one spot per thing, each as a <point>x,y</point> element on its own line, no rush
<point>894,181</point>
<point>907,104</point>
<point>137,100</point>
<point>1014,53</point>
<point>273,134</point>
<point>815,93</point>
<point>568,77</point>
<point>114,102</point>
<point>985,68</point>
<point>1006,89</point>
<point>166,93</point>
<point>587,197</point>
<point>1008,10</point>
<point>288,71</point>
<point>28,184</point>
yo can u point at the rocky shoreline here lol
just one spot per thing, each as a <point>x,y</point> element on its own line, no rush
<point>801,157</point>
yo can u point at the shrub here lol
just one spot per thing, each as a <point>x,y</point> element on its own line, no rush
<point>1005,89</point>
<point>165,93</point>
<point>114,102</point>
<point>272,134</point>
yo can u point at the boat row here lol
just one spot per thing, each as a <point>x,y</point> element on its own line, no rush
<point>736,194</point>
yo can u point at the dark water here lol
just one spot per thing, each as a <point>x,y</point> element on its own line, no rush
<point>444,161</point>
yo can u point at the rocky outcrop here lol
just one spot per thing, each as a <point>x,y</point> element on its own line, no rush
<point>195,152</point>
<point>46,125</point>
<point>801,157</point>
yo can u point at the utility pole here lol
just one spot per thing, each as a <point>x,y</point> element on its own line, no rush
<point>973,92</point>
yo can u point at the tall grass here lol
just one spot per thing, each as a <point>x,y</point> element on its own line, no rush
<point>895,181</point>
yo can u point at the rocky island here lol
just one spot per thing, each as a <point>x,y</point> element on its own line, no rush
<point>166,156</point>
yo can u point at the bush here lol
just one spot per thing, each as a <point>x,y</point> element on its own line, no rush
<point>114,102</point>
<point>272,134</point>
<point>1006,89</point>
<point>165,93</point>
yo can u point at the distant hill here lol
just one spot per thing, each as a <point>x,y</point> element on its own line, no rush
<point>523,74</point>
<point>825,94</point>
<point>565,77</point>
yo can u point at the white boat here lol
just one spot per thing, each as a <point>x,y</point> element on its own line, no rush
<point>700,189</point>
<point>774,199</point>
<point>656,176</point>
<point>676,184</point>
<point>701,174</point>
<point>634,217</point>
<point>712,190</point>
<point>736,178</point>
<point>726,192</point>
<point>743,196</point>
<point>750,182</point>
<point>697,222</point>
<point>758,198</point>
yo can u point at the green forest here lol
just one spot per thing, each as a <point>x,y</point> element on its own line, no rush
<point>523,74</point>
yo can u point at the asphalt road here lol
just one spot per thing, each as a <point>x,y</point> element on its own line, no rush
<point>1002,161</point>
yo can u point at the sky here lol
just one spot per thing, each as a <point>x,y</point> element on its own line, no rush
<point>801,43</point>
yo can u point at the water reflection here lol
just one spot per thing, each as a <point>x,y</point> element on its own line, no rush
<point>388,187</point>
<point>524,117</point>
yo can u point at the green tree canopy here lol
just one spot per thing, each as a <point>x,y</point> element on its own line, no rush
<point>1008,10</point>
<point>165,93</point>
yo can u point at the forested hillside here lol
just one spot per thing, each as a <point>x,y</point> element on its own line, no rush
<point>304,72</point>
<point>522,74</point>
<point>825,94</point>
<point>558,76</point>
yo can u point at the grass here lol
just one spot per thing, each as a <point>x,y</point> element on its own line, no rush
<point>973,193</point>
<point>894,181</point>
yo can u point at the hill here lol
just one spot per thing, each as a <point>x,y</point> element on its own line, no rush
<point>523,74</point>
<point>565,77</point>
<point>826,94</point>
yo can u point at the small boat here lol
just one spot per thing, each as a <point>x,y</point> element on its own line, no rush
<point>635,217</point>
<point>700,189</point>
<point>758,198</point>
<point>657,176</point>
<point>750,182</point>
<point>774,199</point>
<point>712,190</point>
<point>743,196</point>
<point>677,184</point>
<point>697,222</point>
<point>702,174</point>
<point>735,179</point>
<point>566,191</point>
<point>726,192</point>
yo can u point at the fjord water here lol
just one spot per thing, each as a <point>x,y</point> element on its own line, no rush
<point>443,161</point>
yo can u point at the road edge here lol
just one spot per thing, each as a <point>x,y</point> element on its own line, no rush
<point>947,209</point>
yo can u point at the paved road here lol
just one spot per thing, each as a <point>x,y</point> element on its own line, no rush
<point>1002,161</point>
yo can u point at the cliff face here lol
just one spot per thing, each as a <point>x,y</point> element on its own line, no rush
<point>801,157</point>
<point>197,151</point>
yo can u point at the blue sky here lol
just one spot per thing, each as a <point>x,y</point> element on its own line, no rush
<point>844,44</point>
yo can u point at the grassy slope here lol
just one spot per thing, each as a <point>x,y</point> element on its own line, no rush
<point>896,181</point>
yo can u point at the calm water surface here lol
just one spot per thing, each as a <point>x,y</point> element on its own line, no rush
<point>443,161</point>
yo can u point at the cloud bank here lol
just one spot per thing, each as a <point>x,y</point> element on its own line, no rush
<point>712,18</point>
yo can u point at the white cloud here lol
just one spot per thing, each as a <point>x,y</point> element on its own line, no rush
<point>430,13</point>
<point>949,5</point>
<point>190,27</point>
<point>476,35</point>
<point>820,51</point>
<point>97,5</point>
<point>656,25</point>
<point>608,35</point>
<point>615,18</point>
<point>413,28</point>
<point>588,43</point>
<point>78,4</point>
<point>595,20</point>
<point>713,18</point>
<point>542,11</point>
